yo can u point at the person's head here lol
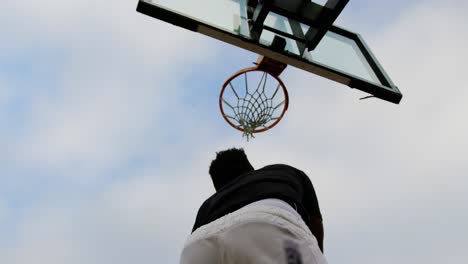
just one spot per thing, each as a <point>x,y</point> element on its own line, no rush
<point>228,165</point>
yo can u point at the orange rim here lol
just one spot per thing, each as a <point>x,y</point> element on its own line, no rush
<point>243,71</point>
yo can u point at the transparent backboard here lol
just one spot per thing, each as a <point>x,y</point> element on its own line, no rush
<point>340,55</point>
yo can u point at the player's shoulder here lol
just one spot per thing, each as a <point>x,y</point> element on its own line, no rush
<point>279,166</point>
<point>282,169</point>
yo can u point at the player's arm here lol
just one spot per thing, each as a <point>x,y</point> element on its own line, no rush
<point>201,215</point>
<point>316,227</point>
<point>311,204</point>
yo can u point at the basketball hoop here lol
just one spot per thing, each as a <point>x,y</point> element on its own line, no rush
<point>254,108</point>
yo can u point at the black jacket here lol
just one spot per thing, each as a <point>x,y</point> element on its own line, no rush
<point>275,181</point>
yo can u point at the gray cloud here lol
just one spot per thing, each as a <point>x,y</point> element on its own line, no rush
<point>391,179</point>
<point>111,87</point>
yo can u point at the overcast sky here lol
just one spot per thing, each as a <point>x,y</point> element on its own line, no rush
<point>109,120</point>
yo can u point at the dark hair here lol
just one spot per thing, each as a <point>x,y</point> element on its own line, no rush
<point>228,165</point>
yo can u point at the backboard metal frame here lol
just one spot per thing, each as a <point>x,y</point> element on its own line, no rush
<point>319,18</point>
<point>386,90</point>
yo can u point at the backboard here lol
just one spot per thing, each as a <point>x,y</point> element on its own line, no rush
<point>309,41</point>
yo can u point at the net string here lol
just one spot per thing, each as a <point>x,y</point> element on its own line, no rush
<point>255,109</point>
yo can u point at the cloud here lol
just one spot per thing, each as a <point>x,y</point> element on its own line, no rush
<point>3,211</point>
<point>3,91</point>
<point>141,218</point>
<point>123,110</point>
<point>121,70</point>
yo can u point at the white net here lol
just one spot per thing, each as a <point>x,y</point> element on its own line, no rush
<point>254,108</point>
